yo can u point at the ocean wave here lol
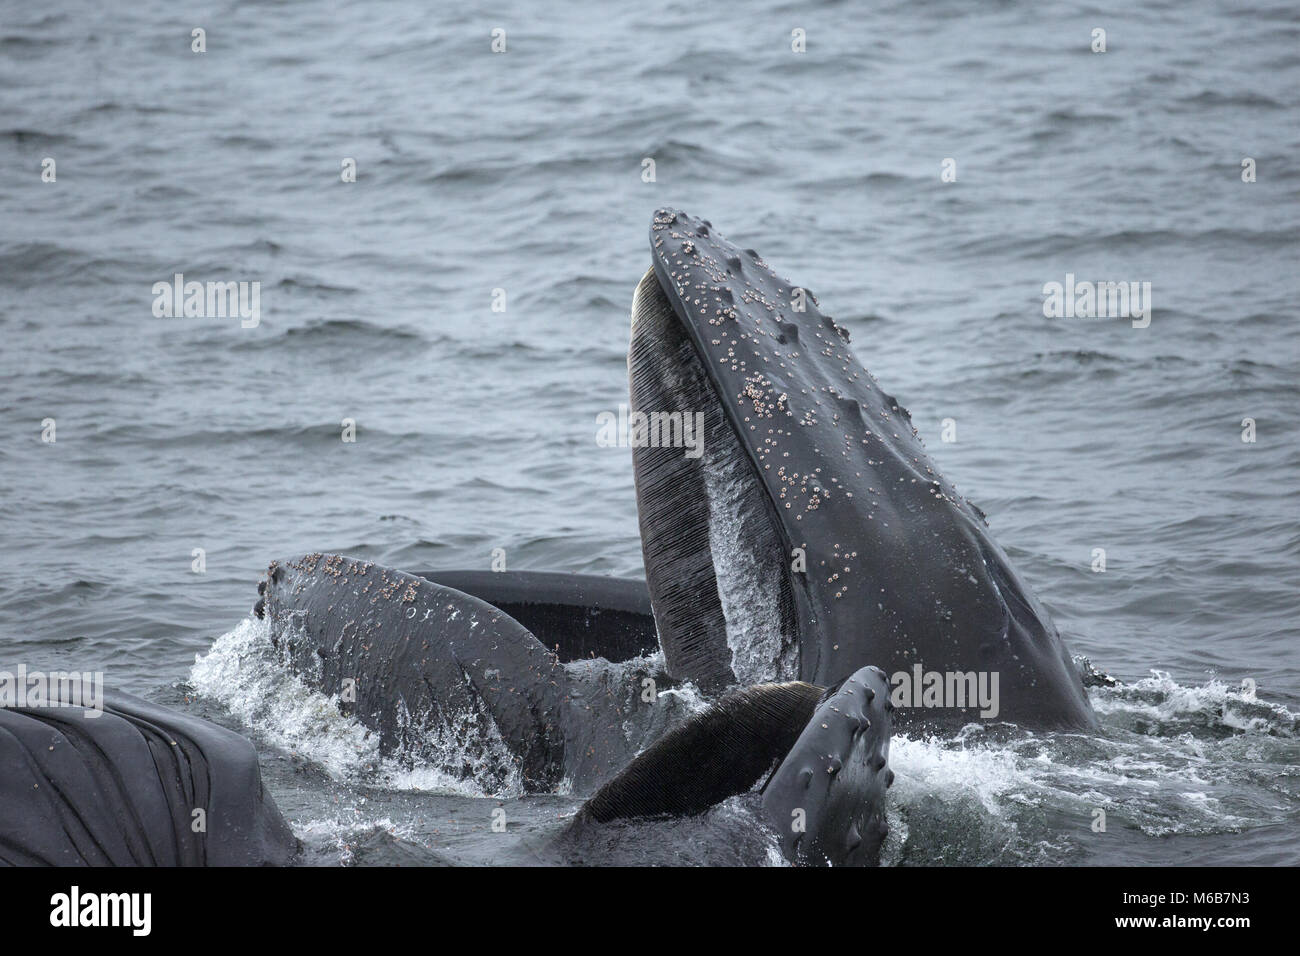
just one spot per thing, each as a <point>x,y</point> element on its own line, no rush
<point>346,335</point>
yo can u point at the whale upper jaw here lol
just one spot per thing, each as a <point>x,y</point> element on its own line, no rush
<point>813,536</point>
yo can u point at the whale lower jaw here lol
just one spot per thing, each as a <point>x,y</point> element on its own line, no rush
<point>716,564</point>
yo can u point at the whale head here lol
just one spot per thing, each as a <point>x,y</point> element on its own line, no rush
<point>808,534</point>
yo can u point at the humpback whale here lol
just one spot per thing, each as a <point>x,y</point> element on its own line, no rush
<point>804,553</point>
<point>826,753</point>
<point>814,536</point>
<point>134,785</point>
<point>450,680</point>
<point>418,661</point>
<point>808,553</point>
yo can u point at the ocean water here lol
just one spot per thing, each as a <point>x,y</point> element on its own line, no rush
<point>524,172</point>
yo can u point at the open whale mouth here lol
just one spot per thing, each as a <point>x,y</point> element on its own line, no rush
<point>810,535</point>
<point>717,562</point>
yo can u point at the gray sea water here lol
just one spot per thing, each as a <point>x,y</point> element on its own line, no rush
<point>524,171</point>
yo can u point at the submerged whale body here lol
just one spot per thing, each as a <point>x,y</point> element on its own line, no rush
<point>134,785</point>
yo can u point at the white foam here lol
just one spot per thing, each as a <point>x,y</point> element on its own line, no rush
<point>688,695</point>
<point>242,672</point>
<point>1161,699</point>
<point>1159,784</point>
<point>775,857</point>
<point>342,834</point>
<point>931,767</point>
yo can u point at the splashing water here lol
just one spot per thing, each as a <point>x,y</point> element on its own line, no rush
<point>1169,760</point>
<point>245,673</point>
